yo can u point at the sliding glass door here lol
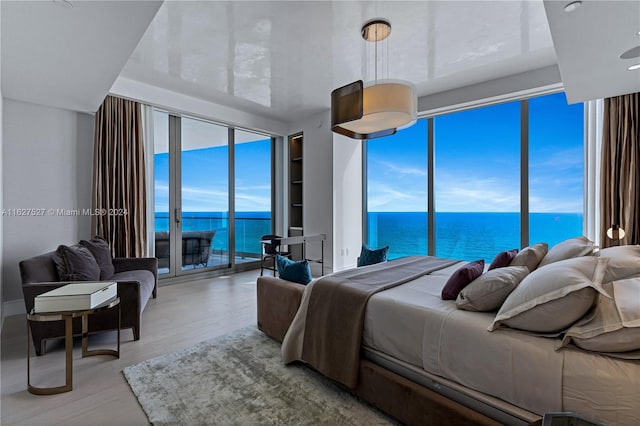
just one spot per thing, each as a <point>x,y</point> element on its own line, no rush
<point>204,190</point>
<point>252,159</point>
<point>212,195</point>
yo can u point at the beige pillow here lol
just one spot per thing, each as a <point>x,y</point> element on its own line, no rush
<point>568,249</point>
<point>615,327</point>
<point>552,298</point>
<point>530,256</point>
<point>624,262</point>
<point>488,291</point>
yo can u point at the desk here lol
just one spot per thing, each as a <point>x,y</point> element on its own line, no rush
<point>302,239</point>
<point>68,317</point>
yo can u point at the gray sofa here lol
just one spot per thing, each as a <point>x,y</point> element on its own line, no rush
<point>137,280</point>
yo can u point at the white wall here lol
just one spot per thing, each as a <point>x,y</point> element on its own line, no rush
<point>317,177</point>
<point>46,164</point>
<point>2,312</point>
<point>347,201</point>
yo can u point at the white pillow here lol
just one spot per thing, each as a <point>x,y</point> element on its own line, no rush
<point>530,256</point>
<point>615,326</point>
<point>568,249</point>
<point>624,262</point>
<point>551,299</point>
<point>489,290</point>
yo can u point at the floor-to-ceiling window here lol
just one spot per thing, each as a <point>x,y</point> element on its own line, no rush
<point>212,194</point>
<point>397,191</point>
<point>478,191</point>
<point>477,182</point>
<point>556,169</point>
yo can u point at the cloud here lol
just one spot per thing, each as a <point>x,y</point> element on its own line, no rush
<point>402,170</point>
<point>384,197</point>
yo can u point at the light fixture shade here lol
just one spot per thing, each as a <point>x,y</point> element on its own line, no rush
<point>386,106</point>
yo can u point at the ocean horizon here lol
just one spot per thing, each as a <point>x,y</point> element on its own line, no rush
<point>459,235</point>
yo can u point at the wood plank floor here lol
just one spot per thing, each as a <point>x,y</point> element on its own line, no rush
<point>182,315</point>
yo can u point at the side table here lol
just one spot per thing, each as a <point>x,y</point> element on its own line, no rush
<point>68,317</point>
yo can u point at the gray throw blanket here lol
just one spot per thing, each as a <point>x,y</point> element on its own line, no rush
<point>335,314</point>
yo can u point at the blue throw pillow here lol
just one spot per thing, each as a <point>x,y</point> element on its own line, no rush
<point>370,256</point>
<point>298,272</point>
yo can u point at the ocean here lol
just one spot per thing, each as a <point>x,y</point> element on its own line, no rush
<point>466,236</point>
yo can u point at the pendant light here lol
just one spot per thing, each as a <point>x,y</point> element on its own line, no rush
<point>378,109</point>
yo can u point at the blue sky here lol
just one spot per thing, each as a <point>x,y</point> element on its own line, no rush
<point>477,164</point>
<point>477,161</point>
<point>205,178</point>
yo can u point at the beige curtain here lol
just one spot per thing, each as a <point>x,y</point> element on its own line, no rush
<point>119,190</point>
<point>620,172</point>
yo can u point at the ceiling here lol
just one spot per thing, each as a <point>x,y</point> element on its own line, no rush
<point>281,59</point>
<point>68,57</point>
<point>589,42</point>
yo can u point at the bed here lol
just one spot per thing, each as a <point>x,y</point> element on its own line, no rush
<point>507,375</point>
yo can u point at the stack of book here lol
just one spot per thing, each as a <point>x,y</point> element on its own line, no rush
<point>75,297</point>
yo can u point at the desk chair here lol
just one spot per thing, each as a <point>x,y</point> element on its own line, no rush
<point>270,249</point>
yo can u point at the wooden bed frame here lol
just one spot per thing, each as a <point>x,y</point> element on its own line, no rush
<point>405,400</point>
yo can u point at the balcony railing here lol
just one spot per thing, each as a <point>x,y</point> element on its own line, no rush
<point>247,233</point>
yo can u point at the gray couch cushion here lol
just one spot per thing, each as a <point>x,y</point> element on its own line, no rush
<point>145,278</point>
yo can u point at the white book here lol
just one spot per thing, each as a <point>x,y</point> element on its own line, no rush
<point>75,296</point>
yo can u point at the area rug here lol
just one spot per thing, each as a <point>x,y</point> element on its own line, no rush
<point>239,379</point>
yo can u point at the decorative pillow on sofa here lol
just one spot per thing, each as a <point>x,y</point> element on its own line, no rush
<point>100,250</point>
<point>298,272</point>
<point>615,325</point>
<point>530,256</point>
<point>489,290</point>
<point>503,259</point>
<point>553,298</point>
<point>369,256</point>
<point>461,278</point>
<point>624,262</point>
<point>76,263</point>
<point>568,249</point>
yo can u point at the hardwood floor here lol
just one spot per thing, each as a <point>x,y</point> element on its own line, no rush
<point>182,315</point>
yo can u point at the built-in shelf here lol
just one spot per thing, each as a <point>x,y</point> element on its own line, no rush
<point>296,165</point>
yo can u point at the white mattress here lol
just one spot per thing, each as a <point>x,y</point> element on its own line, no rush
<point>411,323</point>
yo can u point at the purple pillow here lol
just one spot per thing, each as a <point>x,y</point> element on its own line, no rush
<point>461,278</point>
<point>503,259</point>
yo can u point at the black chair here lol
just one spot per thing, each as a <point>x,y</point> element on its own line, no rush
<point>271,249</point>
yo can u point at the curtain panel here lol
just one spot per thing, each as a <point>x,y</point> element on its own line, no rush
<point>119,186</point>
<point>620,178</point>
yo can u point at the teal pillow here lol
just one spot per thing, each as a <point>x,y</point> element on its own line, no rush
<point>298,272</point>
<point>370,256</point>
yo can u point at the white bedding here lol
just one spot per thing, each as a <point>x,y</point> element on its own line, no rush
<point>413,324</point>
